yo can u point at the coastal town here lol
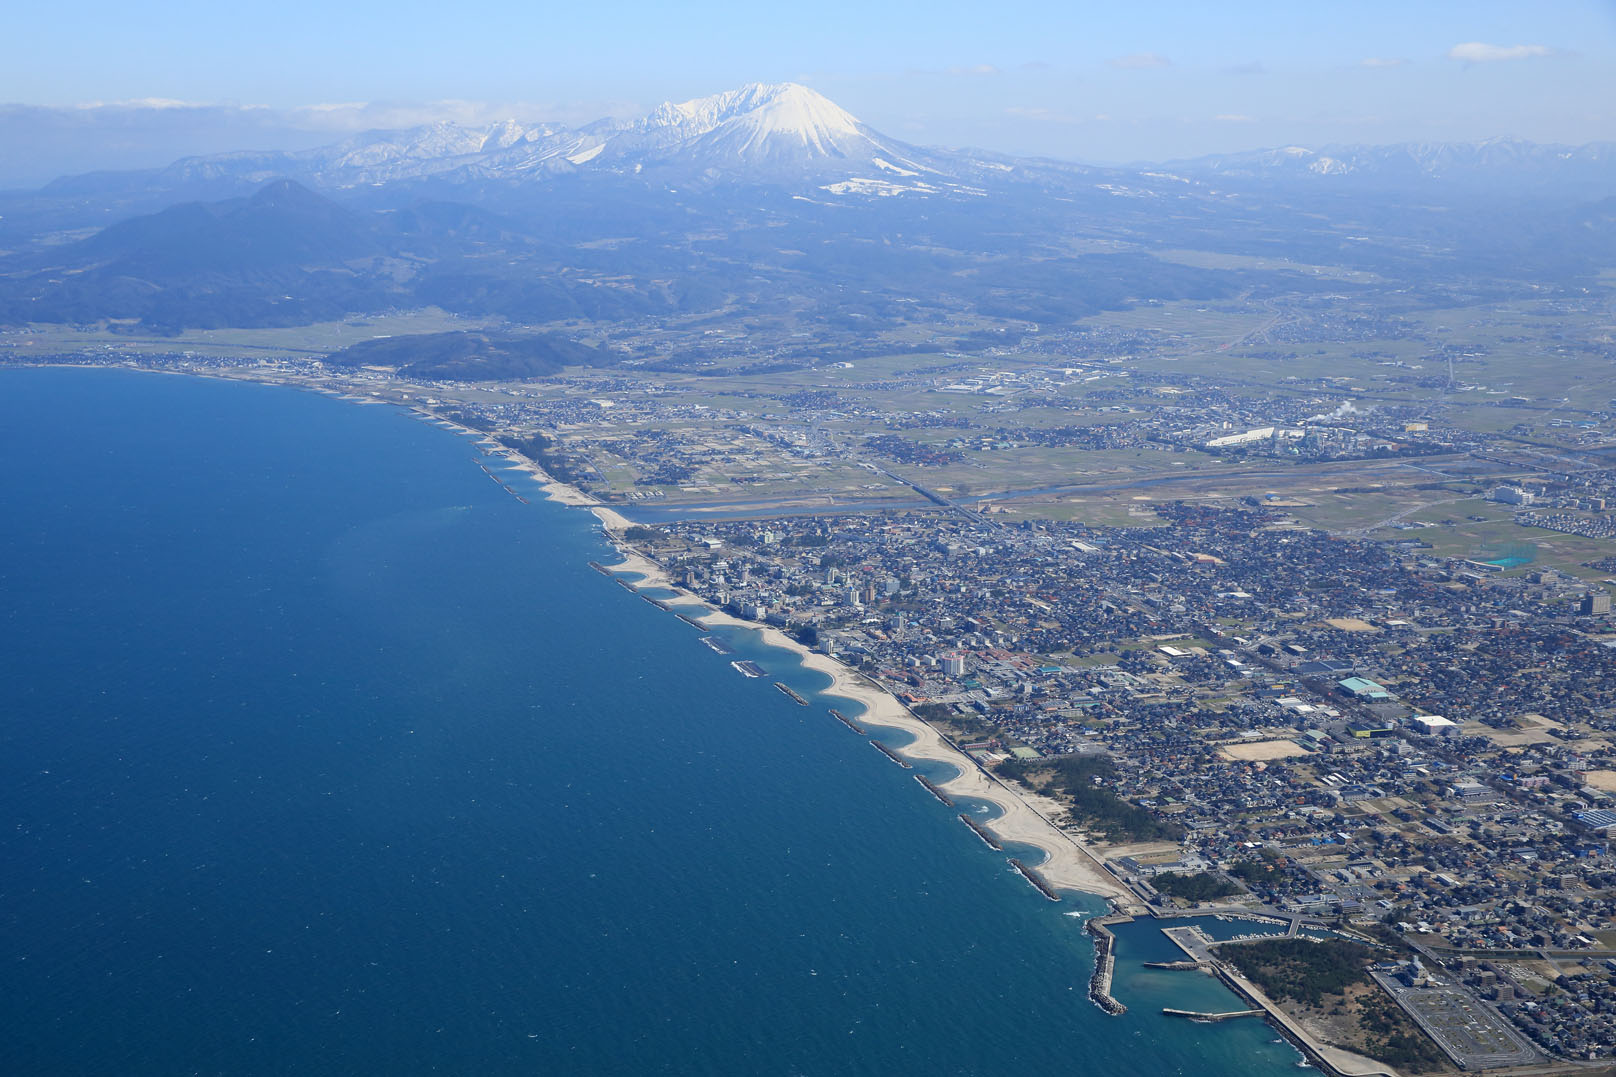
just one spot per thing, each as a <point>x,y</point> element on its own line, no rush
<point>809,539</point>
<point>1332,653</point>
<point>1252,712</point>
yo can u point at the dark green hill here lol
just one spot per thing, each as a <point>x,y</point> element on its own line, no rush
<point>282,256</point>
<point>473,356</point>
<point>283,225</point>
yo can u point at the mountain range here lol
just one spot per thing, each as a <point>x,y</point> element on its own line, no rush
<point>770,198</point>
<point>765,131</point>
<point>787,133</point>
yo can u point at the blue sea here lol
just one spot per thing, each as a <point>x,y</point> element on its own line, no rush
<point>320,753</point>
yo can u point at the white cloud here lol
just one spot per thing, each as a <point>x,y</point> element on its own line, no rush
<point>1046,115</point>
<point>373,115</point>
<point>973,69</point>
<point>354,116</point>
<point>1380,61</point>
<point>1233,117</point>
<point>347,117</point>
<point>1476,52</point>
<point>159,103</point>
<point>338,106</point>
<point>1139,61</point>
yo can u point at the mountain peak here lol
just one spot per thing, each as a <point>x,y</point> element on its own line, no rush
<point>759,130</point>
<point>762,119</point>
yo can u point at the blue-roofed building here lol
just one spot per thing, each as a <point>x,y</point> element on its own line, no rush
<point>1363,688</point>
<point>1599,820</point>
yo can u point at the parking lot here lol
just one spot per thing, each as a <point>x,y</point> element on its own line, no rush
<point>1470,1032</point>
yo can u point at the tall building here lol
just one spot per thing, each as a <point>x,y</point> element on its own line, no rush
<point>1596,602</point>
<point>1510,495</point>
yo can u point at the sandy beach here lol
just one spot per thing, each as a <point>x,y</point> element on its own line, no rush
<point>1066,865</point>
<point>1023,817</point>
<point>554,489</point>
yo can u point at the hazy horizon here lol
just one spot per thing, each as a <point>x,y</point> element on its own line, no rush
<point>116,89</point>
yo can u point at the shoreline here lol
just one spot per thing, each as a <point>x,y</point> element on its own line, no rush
<point>1023,815</point>
<point>1066,864</point>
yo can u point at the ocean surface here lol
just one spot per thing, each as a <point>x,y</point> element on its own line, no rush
<point>320,753</point>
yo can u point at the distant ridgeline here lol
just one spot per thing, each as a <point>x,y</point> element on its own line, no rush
<point>470,356</point>
<point>771,203</point>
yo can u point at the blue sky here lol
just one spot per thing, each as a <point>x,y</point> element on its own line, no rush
<point>1096,82</point>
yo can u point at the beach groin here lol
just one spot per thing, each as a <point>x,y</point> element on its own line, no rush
<point>717,645</point>
<point>748,669</point>
<point>788,690</point>
<point>931,788</point>
<point>848,722</point>
<point>892,755</point>
<point>1105,960</point>
<point>600,568</point>
<point>1212,1018</point>
<point>982,832</point>
<point>1039,883</point>
<point>691,621</point>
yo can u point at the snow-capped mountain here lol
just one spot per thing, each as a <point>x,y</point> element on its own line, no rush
<point>764,128</point>
<point>790,137</point>
<point>762,123</point>
<point>767,197</point>
<point>759,130</point>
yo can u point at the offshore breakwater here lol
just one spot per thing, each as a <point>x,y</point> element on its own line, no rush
<point>1105,963</point>
<point>1032,875</point>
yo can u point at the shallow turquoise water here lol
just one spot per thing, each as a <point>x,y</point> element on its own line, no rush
<point>320,753</point>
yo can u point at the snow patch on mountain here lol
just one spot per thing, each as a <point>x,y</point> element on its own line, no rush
<point>878,187</point>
